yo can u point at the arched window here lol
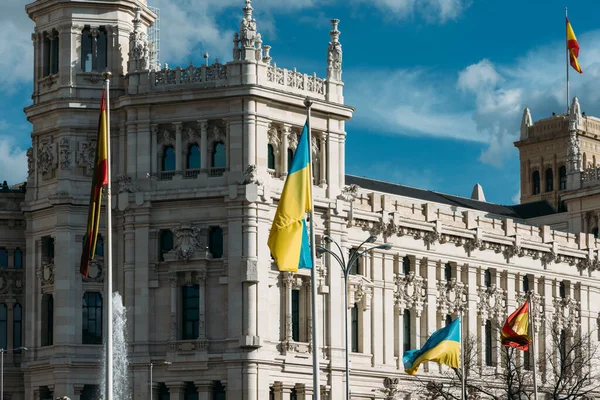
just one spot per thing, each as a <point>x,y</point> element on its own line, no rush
<point>290,157</point>
<point>94,47</point>
<point>448,272</point>
<point>448,319</point>
<point>193,157</point>
<point>168,159</point>
<point>18,258</point>
<point>92,318</point>
<point>406,265</point>
<point>354,327</point>
<point>487,278</point>
<point>271,157</point>
<point>407,329</point>
<point>3,258</point>
<point>215,241</point>
<point>101,50</point>
<point>47,331</point>
<point>549,180</point>
<point>488,343</point>
<point>3,325</point>
<point>86,50</point>
<point>535,180</point>
<point>165,242</point>
<point>219,159</point>
<point>562,175</point>
<point>17,326</point>
<point>51,46</point>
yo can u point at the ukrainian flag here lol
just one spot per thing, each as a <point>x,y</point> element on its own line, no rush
<point>442,347</point>
<point>288,239</point>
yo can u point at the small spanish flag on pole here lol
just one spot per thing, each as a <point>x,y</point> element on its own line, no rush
<point>515,332</point>
<point>99,179</point>
<point>573,48</point>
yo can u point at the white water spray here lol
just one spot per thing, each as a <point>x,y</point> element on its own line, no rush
<point>121,389</point>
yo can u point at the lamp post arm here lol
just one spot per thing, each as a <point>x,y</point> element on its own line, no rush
<point>341,252</point>
<point>331,253</point>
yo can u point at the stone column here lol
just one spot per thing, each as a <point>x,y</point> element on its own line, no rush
<point>249,131</point>
<point>284,150</point>
<point>176,390</point>
<point>202,305</point>
<point>173,330</point>
<point>303,392</point>
<point>204,389</point>
<point>154,150</point>
<point>288,282</point>
<point>278,390</point>
<point>204,153</point>
<point>431,267</point>
<point>129,267</point>
<point>178,145</point>
<point>323,161</point>
<point>131,142</point>
<point>399,321</point>
<point>10,306</point>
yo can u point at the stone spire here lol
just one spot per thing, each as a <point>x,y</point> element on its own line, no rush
<point>334,56</point>
<point>139,52</point>
<point>526,122</point>
<point>477,193</point>
<point>575,121</point>
<point>247,36</point>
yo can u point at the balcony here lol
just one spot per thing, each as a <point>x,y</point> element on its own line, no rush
<point>191,173</point>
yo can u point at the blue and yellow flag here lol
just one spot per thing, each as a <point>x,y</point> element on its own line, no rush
<point>288,239</point>
<point>442,347</point>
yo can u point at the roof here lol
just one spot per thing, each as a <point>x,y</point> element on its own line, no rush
<point>521,211</point>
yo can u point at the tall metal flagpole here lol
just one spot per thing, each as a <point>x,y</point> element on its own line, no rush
<point>462,356</point>
<point>313,275</point>
<point>109,323</point>
<point>532,345</point>
<point>567,57</point>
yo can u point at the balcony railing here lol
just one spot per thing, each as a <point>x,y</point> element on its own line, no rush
<point>191,173</point>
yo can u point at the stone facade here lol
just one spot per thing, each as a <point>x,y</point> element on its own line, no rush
<point>199,159</point>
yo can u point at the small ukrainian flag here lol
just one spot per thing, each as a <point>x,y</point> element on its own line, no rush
<point>442,347</point>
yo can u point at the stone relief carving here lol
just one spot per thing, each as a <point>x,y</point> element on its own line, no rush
<point>391,388</point>
<point>349,193</point>
<point>189,239</point>
<point>452,295</point>
<point>96,270</point>
<point>334,57</point>
<point>360,293</point>
<point>86,156</point>
<point>293,140</point>
<point>64,154</point>
<point>166,137</point>
<point>250,175</point>
<point>573,153</point>
<point>30,162</point>
<point>274,137</point>
<point>47,275</point>
<point>125,184</point>
<point>491,303</point>
<point>411,292</point>
<point>567,314</point>
<point>139,53</point>
<point>575,116</point>
<point>11,282</point>
<point>248,26</point>
<point>45,157</point>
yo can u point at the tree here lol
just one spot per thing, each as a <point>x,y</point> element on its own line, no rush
<point>571,365</point>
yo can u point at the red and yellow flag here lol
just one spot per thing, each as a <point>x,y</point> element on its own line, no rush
<point>99,179</point>
<point>573,48</point>
<point>516,328</point>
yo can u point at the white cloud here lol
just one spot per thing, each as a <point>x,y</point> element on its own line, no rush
<point>434,11</point>
<point>16,63</point>
<point>13,159</point>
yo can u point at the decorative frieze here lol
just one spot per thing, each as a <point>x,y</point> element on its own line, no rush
<point>567,314</point>
<point>452,295</point>
<point>491,303</point>
<point>46,159</point>
<point>411,292</point>
<point>86,155</point>
<point>64,154</point>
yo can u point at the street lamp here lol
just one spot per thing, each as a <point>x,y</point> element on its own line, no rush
<point>152,365</point>
<point>346,268</point>
<point>2,368</point>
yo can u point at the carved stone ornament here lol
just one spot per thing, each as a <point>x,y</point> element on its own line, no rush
<point>30,162</point>
<point>96,270</point>
<point>250,175</point>
<point>334,56</point>
<point>526,122</point>
<point>248,26</point>
<point>536,307</point>
<point>86,156</point>
<point>575,116</point>
<point>64,154</point>
<point>411,292</point>
<point>391,388</point>
<point>293,140</point>
<point>360,293</point>
<point>274,137</point>
<point>349,193</point>
<point>217,135</point>
<point>452,295</point>
<point>139,52</point>
<point>189,239</point>
<point>567,314</point>
<point>573,153</point>
<point>166,138</point>
<point>126,185</point>
<point>47,276</point>
<point>11,282</point>
<point>45,157</point>
<point>491,303</point>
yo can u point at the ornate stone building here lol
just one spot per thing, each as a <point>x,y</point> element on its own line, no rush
<point>199,158</point>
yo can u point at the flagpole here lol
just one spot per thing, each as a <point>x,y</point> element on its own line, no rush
<point>313,275</point>
<point>109,323</point>
<point>532,351</point>
<point>462,356</point>
<point>567,56</point>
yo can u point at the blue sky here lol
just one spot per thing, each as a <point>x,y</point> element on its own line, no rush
<point>439,86</point>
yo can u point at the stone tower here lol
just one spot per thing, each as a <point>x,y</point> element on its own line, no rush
<point>74,43</point>
<point>553,150</point>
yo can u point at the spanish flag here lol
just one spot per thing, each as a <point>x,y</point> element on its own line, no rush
<point>573,48</point>
<point>288,239</point>
<point>442,347</point>
<point>99,179</point>
<point>515,332</point>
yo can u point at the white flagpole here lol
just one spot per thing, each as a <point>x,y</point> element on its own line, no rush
<point>313,274</point>
<point>108,299</point>
<point>462,356</point>
<point>532,351</point>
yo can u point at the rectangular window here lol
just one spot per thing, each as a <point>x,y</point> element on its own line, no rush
<point>354,327</point>
<point>354,268</point>
<point>17,326</point>
<point>190,392</point>
<point>163,392</point>
<point>406,265</point>
<point>47,333</point>
<point>218,392</point>
<point>488,343</point>
<point>407,329</point>
<point>296,315</point>
<point>92,318</point>
<point>448,272</point>
<point>3,326</point>
<point>190,312</point>
<point>562,290</point>
<point>48,247</point>
<point>525,285</point>
<point>215,242</point>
